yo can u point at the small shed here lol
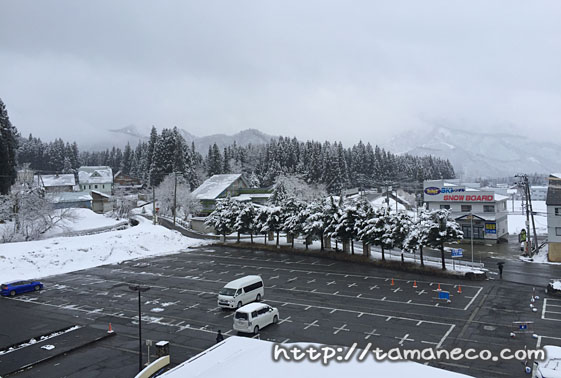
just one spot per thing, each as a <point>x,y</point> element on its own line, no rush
<point>101,202</point>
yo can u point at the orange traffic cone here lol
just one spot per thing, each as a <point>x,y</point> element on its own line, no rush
<point>415,284</point>
<point>438,287</point>
<point>459,289</point>
<point>392,282</point>
<point>110,330</point>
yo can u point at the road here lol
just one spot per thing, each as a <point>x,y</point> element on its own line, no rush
<point>319,300</point>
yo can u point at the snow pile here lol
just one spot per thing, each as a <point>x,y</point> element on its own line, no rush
<point>42,258</point>
<point>541,257</point>
<point>84,219</point>
<point>556,285</point>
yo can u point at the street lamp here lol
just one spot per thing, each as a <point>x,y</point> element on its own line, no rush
<point>471,223</point>
<point>139,289</point>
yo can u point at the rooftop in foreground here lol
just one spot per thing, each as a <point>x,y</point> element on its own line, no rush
<point>252,358</point>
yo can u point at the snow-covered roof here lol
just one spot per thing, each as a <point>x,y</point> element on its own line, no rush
<point>214,186</point>
<point>236,353</point>
<point>49,181</point>
<point>251,307</point>
<point>556,175</point>
<point>68,197</point>
<point>101,194</point>
<point>500,197</point>
<point>95,175</point>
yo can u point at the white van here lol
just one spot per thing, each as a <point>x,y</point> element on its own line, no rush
<point>241,291</point>
<point>255,316</point>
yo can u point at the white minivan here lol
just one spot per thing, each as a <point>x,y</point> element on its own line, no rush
<point>241,291</point>
<point>255,316</point>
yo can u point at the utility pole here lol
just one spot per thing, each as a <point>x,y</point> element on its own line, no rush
<point>471,223</point>
<point>174,196</point>
<point>532,215</point>
<point>524,185</point>
<point>153,204</point>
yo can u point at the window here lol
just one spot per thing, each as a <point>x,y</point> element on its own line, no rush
<point>558,231</point>
<point>447,207</point>
<point>264,310</point>
<point>241,315</point>
<point>466,208</point>
<point>252,287</point>
<point>558,211</point>
<point>488,208</point>
<point>254,314</point>
<point>90,187</point>
<point>96,186</point>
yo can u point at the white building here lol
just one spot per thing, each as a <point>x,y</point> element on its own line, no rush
<point>483,210</point>
<point>553,203</point>
<point>99,178</point>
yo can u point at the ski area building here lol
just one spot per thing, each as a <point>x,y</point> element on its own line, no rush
<point>484,210</point>
<point>553,203</point>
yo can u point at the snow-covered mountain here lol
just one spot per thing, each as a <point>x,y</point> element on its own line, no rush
<point>132,134</point>
<point>475,155</point>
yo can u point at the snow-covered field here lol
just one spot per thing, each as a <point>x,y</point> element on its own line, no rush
<point>517,218</point>
<point>35,259</point>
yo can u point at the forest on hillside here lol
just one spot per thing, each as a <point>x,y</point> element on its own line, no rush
<point>327,163</point>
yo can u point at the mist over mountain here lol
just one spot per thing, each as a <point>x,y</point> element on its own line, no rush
<point>132,134</point>
<point>476,154</point>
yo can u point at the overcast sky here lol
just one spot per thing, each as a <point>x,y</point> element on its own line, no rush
<point>338,70</point>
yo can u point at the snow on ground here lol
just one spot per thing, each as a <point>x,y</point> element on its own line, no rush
<point>35,259</point>
<point>85,219</point>
<point>540,257</point>
<point>453,265</point>
<point>517,217</point>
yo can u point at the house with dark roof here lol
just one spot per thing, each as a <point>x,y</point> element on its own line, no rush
<point>553,203</point>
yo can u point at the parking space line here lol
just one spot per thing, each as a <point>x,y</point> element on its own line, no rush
<point>452,326</point>
<point>371,333</point>
<point>312,324</point>
<point>339,329</point>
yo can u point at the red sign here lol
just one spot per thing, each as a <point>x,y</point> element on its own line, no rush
<point>469,197</point>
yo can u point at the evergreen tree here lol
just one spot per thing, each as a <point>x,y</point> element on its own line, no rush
<point>147,163</point>
<point>8,147</point>
<point>127,161</point>
<point>441,228</point>
<point>245,220</point>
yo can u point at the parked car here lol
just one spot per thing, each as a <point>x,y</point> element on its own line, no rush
<point>241,291</point>
<point>255,316</point>
<point>554,287</point>
<point>19,287</point>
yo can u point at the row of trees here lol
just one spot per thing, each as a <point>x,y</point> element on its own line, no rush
<point>343,221</point>
<point>325,163</point>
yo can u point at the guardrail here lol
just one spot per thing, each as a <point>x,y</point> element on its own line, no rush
<point>91,231</point>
